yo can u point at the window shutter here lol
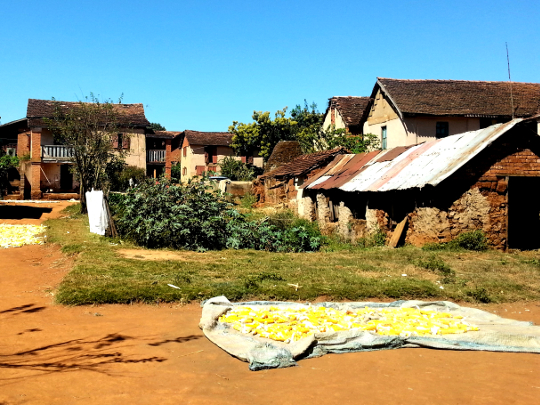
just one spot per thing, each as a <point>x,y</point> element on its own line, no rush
<point>125,142</point>
<point>214,159</point>
<point>250,160</point>
<point>243,159</point>
<point>206,157</point>
<point>115,141</point>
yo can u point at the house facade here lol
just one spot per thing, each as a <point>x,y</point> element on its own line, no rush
<point>346,113</point>
<point>162,152</point>
<point>46,165</point>
<point>201,152</point>
<point>408,112</point>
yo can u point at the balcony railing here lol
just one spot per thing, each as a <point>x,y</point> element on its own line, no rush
<point>56,152</point>
<point>155,155</point>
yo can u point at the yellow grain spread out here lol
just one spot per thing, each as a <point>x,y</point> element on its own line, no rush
<point>289,325</point>
<point>19,235</point>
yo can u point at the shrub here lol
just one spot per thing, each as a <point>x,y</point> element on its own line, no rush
<point>236,170</point>
<point>160,214</point>
<point>176,172</point>
<point>248,200</point>
<point>473,240</point>
<point>195,216</point>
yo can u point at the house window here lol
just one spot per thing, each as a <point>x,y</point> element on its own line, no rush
<point>185,151</point>
<point>442,129</point>
<point>121,142</point>
<point>184,171</point>
<point>383,138</point>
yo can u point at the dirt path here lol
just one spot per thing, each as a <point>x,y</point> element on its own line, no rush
<point>115,354</point>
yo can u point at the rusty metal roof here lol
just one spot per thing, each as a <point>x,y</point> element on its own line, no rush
<point>407,167</point>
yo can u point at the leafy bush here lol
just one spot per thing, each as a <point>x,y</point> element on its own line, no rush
<point>176,172</point>
<point>473,240</point>
<point>235,170</point>
<point>248,200</point>
<point>195,216</point>
<point>118,174</point>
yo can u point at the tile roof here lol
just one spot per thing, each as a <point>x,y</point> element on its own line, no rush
<point>460,97</point>
<point>129,114</point>
<point>352,109</point>
<point>304,164</point>
<point>164,134</point>
<point>407,167</point>
<point>283,153</point>
<point>208,138</point>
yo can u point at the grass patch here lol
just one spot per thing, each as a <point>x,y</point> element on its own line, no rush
<point>340,272</point>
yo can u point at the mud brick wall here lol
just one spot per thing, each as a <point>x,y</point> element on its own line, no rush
<point>475,197</point>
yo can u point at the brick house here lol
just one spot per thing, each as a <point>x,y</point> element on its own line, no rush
<point>162,152</point>
<point>486,180</point>
<point>407,112</point>
<point>45,168</point>
<point>346,113</point>
<point>202,151</point>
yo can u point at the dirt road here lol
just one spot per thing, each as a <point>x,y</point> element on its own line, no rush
<point>114,354</point>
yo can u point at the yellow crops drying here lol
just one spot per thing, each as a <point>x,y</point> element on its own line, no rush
<point>289,325</point>
<point>19,235</point>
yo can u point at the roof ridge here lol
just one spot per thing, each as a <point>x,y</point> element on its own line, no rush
<point>454,81</point>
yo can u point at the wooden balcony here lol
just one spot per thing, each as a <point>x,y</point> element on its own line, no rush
<point>155,155</point>
<point>56,152</point>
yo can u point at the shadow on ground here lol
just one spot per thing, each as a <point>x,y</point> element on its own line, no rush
<point>82,354</point>
<point>22,212</point>
<point>22,309</point>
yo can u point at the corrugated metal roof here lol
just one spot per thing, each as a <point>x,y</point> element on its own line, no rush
<point>407,167</point>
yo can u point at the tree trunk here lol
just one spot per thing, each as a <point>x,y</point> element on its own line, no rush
<point>82,190</point>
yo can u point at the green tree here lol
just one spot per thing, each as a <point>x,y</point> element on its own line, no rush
<point>262,134</point>
<point>157,127</point>
<point>6,162</point>
<point>89,129</point>
<point>334,138</point>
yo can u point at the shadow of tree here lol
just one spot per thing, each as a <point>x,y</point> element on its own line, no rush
<point>82,354</point>
<point>22,309</point>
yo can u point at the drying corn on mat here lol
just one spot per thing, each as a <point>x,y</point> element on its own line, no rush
<point>19,235</point>
<point>276,334</point>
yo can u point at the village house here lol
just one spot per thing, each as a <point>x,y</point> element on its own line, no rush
<point>408,112</point>
<point>162,152</point>
<point>45,164</point>
<point>203,151</point>
<point>282,185</point>
<point>431,192</point>
<point>347,113</point>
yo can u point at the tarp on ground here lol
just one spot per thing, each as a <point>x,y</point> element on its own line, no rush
<point>496,334</point>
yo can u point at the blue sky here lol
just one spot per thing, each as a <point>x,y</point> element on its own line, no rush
<point>202,64</point>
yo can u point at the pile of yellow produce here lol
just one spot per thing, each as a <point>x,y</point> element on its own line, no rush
<point>289,325</point>
<point>19,235</point>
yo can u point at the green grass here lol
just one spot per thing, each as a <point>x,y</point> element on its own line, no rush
<point>338,272</point>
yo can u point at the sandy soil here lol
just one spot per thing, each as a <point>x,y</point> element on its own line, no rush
<point>114,354</point>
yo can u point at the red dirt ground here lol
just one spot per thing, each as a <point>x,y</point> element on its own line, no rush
<point>111,354</point>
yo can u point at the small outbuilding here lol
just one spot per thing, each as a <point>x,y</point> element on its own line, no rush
<point>486,180</point>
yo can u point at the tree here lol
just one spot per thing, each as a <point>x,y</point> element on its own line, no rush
<point>157,127</point>
<point>6,162</point>
<point>264,133</point>
<point>304,125</point>
<point>89,129</point>
<point>334,138</point>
